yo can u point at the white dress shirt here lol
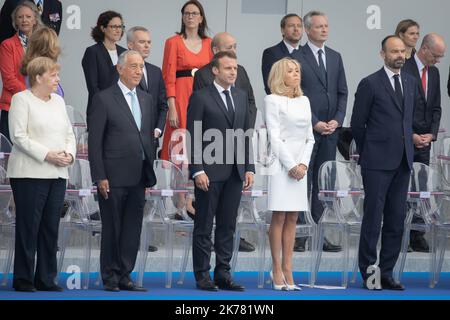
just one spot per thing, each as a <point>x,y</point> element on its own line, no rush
<point>126,92</point>
<point>420,66</point>
<point>391,75</point>
<point>114,56</point>
<point>291,48</point>
<point>315,49</point>
<point>222,95</point>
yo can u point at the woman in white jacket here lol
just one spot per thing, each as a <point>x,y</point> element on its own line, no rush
<point>44,146</point>
<point>288,121</point>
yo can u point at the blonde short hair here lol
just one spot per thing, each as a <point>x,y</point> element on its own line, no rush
<point>38,66</point>
<point>276,78</point>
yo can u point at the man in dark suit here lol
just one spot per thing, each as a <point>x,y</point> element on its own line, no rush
<point>121,154</point>
<point>50,10</point>
<point>138,39</point>
<point>204,77</point>
<point>292,31</point>
<point>427,115</point>
<point>222,110</point>
<point>324,83</point>
<point>382,123</point>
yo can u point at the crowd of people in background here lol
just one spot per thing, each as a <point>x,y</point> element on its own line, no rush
<point>134,105</point>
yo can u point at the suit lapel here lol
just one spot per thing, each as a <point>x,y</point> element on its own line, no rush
<point>415,70</point>
<point>386,82</point>
<point>311,60</point>
<point>123,105</point>
<point>216,96</point>
<point>284,49</point>
<point>406,95</point>
<point>105,53</point>
<point>145,112</point>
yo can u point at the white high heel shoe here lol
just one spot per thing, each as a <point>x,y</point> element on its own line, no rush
<point>278,287</point>
<point>291,287</point>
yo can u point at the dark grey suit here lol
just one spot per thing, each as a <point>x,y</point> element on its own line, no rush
<point>116,152</point>
<point>328,102</point>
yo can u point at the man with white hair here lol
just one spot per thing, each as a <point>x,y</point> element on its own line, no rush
<point>121,155</point>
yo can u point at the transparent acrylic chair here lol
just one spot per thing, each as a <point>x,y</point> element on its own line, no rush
<point>5,151</point>
<point>160,199</point>
<point>249,219</point>
<point>7,225</point>
<point>82,145</point>
<point>77,120</point>
<point>340,191</point>
<point>425,198</point>
<point>82,205</point>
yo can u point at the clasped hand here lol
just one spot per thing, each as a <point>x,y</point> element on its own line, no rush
<point>298,172</point>
<point>59,158</point>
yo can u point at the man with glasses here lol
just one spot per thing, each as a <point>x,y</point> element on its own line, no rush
<point>427,115</point>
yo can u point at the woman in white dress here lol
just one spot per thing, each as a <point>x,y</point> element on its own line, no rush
<point>288,121</point>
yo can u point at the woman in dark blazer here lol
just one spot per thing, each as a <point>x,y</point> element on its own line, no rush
<point>99,61</point>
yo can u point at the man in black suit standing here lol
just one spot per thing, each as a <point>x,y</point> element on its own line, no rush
<point>381,123</point>
<point>204,77</point>
<point>219,169</point>
<point>50,11</point>
<point>138,39</point>
<point>324,83</point>
<point>427,115</point>
<point>292,31</point>
<point>121,154</point>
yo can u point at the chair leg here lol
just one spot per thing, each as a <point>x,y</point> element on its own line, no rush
<point>87,258</point>
<point>9,257</point>
<point>168,237</point>
<point>184,260</point>
<point>442,243</point>
<point>398,270</point>
<point>317,253</point>
<point>261,247</point>
<point>312,249</point>
<point>433,255</point>
<point>143,253</point>
<point>236,241</point>
<point>355,261</point>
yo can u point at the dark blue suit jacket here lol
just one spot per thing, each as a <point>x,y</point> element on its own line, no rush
<point>381,127</point>
<point>157,89</point>
<point>270,56</point>
<point>206,107</point>
<point>99,71</point>
<point>328,100</point>
<point>427,115</point>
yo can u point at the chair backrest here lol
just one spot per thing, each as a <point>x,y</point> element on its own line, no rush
<point>5,151</point>
<point>444,161</point>
<point>340,190</point>
<point>75,116</point>
<point>80,179</point>
<point>6,214</point>
<point>353,154</point>
<point>426,193</point>
<point>82,145</point>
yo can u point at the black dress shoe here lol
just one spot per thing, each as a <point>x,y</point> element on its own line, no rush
<point>228,284</point>
<point>111,287</point>
<point>25,287</point>
<point>152,248</point>
<point>300,244</point>
<point>419,244</point>
<point>389,283</point>
<point>329,247</point>
<point>55,288</point>
<point>245,246</point>
<point>131,286</point>
<point>206,284</point>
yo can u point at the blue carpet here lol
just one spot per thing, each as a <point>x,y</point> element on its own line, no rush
<point>416,289</point>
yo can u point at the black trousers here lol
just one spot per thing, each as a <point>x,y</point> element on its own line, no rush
<point>38,210</point>
<point>385,200</point>
<point>4,126</point>
<point>121,216</point>
<point>222,202</point>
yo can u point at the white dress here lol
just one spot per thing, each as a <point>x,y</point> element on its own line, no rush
<point>288,122</point>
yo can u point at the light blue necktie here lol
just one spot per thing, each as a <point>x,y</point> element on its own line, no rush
<point>135,109</point>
